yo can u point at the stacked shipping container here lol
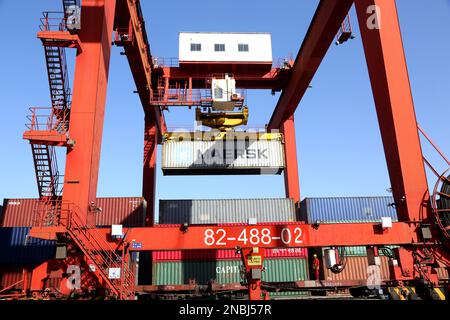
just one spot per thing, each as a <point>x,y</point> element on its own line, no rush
<point>350,210</point>
<point>18,252</point>
<point>223,266</point>
<point>129,211</point>
<point>210,211</point>
<point>178,267</point>
<point>353,210</point>
<point>347,210</point>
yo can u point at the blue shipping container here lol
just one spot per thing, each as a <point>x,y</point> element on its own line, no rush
<point>16,248</point>
<point>347,209</point>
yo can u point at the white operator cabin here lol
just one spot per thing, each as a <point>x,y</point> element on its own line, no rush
<point>195,47</point>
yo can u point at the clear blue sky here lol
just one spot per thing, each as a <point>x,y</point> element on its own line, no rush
<point>338,141</point>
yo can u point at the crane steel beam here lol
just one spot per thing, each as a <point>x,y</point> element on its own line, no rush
<point>275,79</point>
<point>277,235</point>
<point>382,40</point>
<point>291,180</point>
<point>265,235</point>
<point>137,50</point>
<point>88,104</point>
<point>149,168</point>
<point>324,26</point>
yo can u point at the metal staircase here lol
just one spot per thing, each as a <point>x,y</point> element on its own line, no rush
<point>46,168</point>
<point>93,244</point>
<point>104,257</point>
<point>60,94</point>
<point>48,129</point>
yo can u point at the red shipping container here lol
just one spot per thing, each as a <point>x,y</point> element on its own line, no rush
<point>12,275</point>
<point>129,211</point>
<point>356,269</point>
<point>18,212</point>
<point>177,255</point>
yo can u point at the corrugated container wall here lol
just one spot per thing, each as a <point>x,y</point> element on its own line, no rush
<point>211,211</point>
<point>17,249</point>
<point>129,211</point>
<point>211,157</point>
<point>18,212</point>
<point>347,210</point>
<point>11,275</point>
<point>226,271</point>
<point>356,269</point>
<point>202,255</point>
<point>361,250</point>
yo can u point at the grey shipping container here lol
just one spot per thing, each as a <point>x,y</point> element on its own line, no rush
<point>248,153</point>
<point>210,211</point>
<point>347,209</point>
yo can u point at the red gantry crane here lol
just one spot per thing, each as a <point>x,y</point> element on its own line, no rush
<point>75,122</point>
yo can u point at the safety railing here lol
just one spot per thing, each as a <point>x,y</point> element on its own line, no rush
<point>65,78</point>
<point>54,187</point>
<point>102,253</point>
<point>48,119</point>
<point>165,94</point>
<point>91,241</point>
<point>52,21</point>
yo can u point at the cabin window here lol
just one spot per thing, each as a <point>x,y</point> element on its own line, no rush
<point>243,47</point>
<point>219,47</point>
<point>196,47</point>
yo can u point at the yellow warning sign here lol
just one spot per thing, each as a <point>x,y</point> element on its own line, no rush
<point>254,261</point>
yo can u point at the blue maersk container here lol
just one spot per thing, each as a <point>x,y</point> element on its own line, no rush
<point>18,249</point>
<point>347,209</point>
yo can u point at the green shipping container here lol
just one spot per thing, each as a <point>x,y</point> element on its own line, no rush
<point>179,272</point>
<point>284,270</point>
<point>228,271</point>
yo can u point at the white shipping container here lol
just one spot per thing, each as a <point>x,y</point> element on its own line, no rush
<point>222,157</point>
